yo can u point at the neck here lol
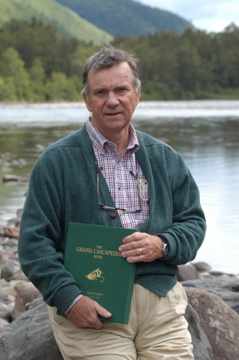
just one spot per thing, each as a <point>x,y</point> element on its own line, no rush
<point>120,140</point>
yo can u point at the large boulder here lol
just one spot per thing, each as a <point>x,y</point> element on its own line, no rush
<point>202,347</point>
<point>225,287</point>
<point>219,322</point>
<point>29,337</point>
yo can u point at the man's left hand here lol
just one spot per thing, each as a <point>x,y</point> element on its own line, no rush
<point>141,247</point>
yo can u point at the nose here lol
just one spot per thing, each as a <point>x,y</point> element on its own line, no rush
<point>112,99</point>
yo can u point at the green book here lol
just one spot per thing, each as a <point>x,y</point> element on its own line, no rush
<point>92,256</point>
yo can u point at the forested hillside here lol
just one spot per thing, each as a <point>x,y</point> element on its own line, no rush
<point>36,65</point>
<point>126,17</point>
<point>194,65</point>
<point>67,23</point>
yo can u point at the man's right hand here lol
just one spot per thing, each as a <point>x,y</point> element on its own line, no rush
<point>84,313</point>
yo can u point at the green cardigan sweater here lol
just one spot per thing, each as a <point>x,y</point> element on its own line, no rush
<point>62,188</point>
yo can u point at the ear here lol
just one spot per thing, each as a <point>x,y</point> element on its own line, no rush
<point>87,101</point>
<point>138,94</point>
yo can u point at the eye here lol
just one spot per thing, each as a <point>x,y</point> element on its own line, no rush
<point>121,90</point>
<point>100,92</point>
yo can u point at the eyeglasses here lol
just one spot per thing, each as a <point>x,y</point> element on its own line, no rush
<point>108,208</point>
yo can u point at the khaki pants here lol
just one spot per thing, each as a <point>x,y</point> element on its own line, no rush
<point>157,330</point>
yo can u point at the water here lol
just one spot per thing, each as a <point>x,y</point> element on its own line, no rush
<point>204,132</point>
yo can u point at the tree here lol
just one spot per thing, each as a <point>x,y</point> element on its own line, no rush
<point>12,68</point>
<point>37,77</point>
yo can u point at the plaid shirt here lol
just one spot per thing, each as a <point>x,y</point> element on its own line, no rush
<point>122,172</point>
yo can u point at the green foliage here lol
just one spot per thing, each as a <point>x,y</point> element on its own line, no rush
<point>15,74</point>
<point>35,65</point>
<point>126,17</point>
<point>66,22</point>
<point>188,66</point>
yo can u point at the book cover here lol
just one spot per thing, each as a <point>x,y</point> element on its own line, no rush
<point>93,258</point>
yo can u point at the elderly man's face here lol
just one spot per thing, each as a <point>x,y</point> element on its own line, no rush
<point>112,99</point>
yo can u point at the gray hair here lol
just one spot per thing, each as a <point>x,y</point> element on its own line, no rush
<point>108,57</point>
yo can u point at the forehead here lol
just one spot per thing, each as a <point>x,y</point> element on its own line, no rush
<point>116,75</point>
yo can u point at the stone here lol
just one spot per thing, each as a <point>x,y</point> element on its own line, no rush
<point>219,322</point>
<point>187,272</point>
<point>3,308</point>
<point>9,243</point>
<point>4,256</point>
<point>201,347</point>
<point>202,266</point>
<point>9,270</point>
<point>216,273</point>
<point>221,286</point>
<point>29,337</point>
<point>3,323</point>
<point>235,286</point>
<point>25,293</point>
<point>12,232</point>
<point>13,178</point>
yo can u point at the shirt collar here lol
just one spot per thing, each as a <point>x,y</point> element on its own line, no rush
<point>99,141</point>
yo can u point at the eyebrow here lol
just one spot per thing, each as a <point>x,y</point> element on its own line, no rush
<point>95,91</point>
<point>123,86</point>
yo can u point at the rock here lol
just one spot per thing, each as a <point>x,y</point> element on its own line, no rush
<point>216,273</point>
<point>10,243</point>
<point>235,286</point>
<point>219,322</point>
<point>13,179</point>
<point>187,272</point>
<point>220,286</point>
<point>202,266</point>
<point>19,162</point>
<point>29,337</point>
<point>25,293</point>
<point>3,323</point>
<point>12,232</point>
<point>6,288</point>
<point>9,270</point>
<point>4,256</point>
<point>3,308</point>
<point>202,348</point>
<point>20,276</point>
<point>34,303</point>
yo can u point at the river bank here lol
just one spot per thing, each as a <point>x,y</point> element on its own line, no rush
<point>16,291</point>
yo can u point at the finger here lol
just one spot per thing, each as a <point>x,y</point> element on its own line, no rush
<point>135,252</point>
<point>134,259</point>
<point>103,312</point>
<point>132,245</point>
<point>84,313</point>
<point>136,236</point>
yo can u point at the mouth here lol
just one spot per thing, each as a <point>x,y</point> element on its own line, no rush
<point>113,114</point>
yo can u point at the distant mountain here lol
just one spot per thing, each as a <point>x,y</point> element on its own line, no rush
<point>126,17</point>
<point>67,23</point>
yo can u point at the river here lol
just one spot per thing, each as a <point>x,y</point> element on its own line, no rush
<point>206,133</point>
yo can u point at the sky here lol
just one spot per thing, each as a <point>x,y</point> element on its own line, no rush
<point>208,15</point>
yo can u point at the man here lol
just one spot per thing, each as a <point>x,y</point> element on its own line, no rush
<point>143,184</point>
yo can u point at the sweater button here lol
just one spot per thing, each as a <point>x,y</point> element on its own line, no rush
<point>112,215</point>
